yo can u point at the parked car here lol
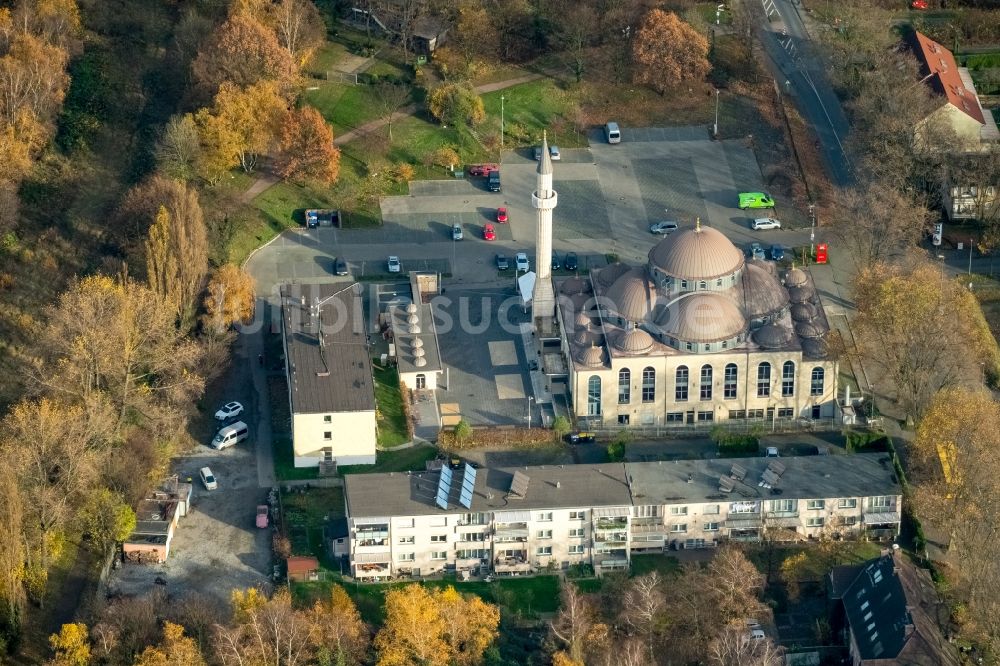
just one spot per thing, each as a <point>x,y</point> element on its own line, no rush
<point>553,152</point>
<point>580,437</point>
<point>208,479</point>
<point>502,215</point>
<point>777,252</point>
<point>755,200</point>
<point>394,265</point>
<point>521,262</point>
<point>456,232</point>
<point>663,227</point>
<point>920,4</point>
<point>262,515</point>
<point>502,263</point>
<point>228,411</point>
<point>494,181</point>
<point>757,251</point>
<point>489,232</point>
<point>771,452</point>
<point>571,263</point>
<point>231,435</point>
<point>483,169</point>
<point>312,219</point>
<point>765,223</point>
<point>339,266</point>
<point>613,133</point>
<point>556,264</point>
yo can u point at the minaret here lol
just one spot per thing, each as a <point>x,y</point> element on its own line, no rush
<point>543,299</point>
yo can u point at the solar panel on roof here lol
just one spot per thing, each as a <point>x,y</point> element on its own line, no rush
<point>776,467</point>
<point>468,485</point>
<point>519,485</point>
<point>444,488</point>
<point>738,472</point>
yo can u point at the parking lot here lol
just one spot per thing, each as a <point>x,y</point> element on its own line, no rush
<point>217,546</point>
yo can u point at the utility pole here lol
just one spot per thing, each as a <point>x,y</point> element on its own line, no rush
<point>971,241</point>
<point>715,127</point>
<point>501,127</point>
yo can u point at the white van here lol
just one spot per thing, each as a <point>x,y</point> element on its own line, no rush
<point>613,133</point>
<point>231,435</point>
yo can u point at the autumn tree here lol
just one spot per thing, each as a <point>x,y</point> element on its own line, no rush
<point>413,632</point>
<point>252,117</point>
<point>229,298</point>
<point>114,339</point>
<point>265,631</point>
<point>12,554</point>
<point>694,614</point>
<point>456,104</point>
<point>475,33</point>
<point>299,27</point>
<point>175,649</point>
<point>106,517</point>
<point>70,646</point>
<point>954,457</point>
<point>574,623</point>
<point>735,584</point>
<point>878,222</point>
<point>910,321</point>
<point>217,146</point>
<point>242,52</point>
<point>179,148</point>
<point>339,634</point>
<point>668,51</point>
<point>305,148</point>
<point>470,625</point>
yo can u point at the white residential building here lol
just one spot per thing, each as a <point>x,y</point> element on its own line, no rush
<point>532,519</point>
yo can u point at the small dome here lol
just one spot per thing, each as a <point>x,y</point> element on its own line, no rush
<point>420,362</point>
<point>413,328</point>
<point>582,320</point>
<point>411,308</point>
<point>419,351</point>
<point>772,336</point>
<point>702,253</point>
<point>803,311</point>
<point>763,295</point>
<point>607,275</point>
<point>630,295</point>
<point>583,338</point>
<point>591,357</point>
<point>412,319</point>
<point>573,285</point>
<point>796,277</point>
<point>704,316</point>
<point>417,343</point>
<point>815,347</point>
<point>802,294</point>
<point>808,329</point>
<point>636,341</point>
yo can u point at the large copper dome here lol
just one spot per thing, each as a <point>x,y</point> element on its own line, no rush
<point>702,253</point>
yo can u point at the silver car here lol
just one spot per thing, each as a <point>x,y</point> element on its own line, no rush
<point>663,227</point>
<point>394,265</point>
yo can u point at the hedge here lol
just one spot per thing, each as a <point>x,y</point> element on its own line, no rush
<point>506,437</point>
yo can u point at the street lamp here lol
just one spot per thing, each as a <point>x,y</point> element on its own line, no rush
<point>530,398</point>
<point>715,127</point>
<point>970,255</point>
<point>812,228</point>
<point>501,128</point>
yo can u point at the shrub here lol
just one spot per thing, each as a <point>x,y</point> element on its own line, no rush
<point>463,432</point>
<point>864,441</point>
<point>560,428</point>
<point>499,437</point>
<point>445,156</point>
<point>6,280</point>
<point>404,173</point>
<point>730,442</point>
<point>616,451</point>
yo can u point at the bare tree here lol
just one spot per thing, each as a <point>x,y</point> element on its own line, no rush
<point>390,97</point>
<point>300,28</point>
<point>735,584</point>
<point>574,622</point>
<point>642,607</point>
<point>265,631</point>
<point>735,647</point>
<point>879,222</point>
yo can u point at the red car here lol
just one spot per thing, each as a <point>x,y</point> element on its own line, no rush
<point>502,215</point>
<point>489,233</point>
<point>483,169</point>
<point>919,4</point>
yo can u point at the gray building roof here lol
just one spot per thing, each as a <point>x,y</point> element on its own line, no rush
<point>549,487</point>
<point>326,349</point>
<point>805,477</point>
<point>571,486</point>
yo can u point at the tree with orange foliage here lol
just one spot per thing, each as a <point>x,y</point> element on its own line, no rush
<point>242,51</point>
<point>667,51</point>
<point>252,116</point>
<point>175,648</point>
<point>305,148</point>
<point>228,299</point>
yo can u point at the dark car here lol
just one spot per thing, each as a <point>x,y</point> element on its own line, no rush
<point>502,263</point>
<point>556,264</point>
<point>580,437</point>
<point>777,253</point>
<point>339,266</point>
<point>571,263</point>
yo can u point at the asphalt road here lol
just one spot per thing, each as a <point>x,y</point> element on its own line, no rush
<point>801,74</point>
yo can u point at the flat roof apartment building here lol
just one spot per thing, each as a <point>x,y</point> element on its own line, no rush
<point>513,521</point>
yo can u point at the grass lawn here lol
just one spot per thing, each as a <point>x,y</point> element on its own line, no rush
<point>392,429</point>
<point>520,596</point>
<point>412,458</point>
<point>344,106</point>
<point>531,107</point>
<point>284,462</point>
<point>306,513</point>
<point>665,565</point>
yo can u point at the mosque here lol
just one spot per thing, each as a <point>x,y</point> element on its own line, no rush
<point>700,334</point>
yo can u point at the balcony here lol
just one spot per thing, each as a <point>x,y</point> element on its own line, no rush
<point>648,528</point>
<point>880,516</point>
<point>612,538</point>
<point>511,565</point>
<point>611,523</point>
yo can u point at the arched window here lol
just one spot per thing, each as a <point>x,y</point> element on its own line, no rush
<point>732,374</point>
<point>681,384</point>
<point>624,386</point>
<point>787,379</point>
<point>706,382</point>
<point>818,380</point>
<point>764,380</point>
<point>594,396</point>
<point>648,385</point>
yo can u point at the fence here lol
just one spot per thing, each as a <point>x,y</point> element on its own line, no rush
<point>735,426</point>
<point>342,77</point>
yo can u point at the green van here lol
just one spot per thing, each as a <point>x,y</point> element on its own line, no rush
<point>755,200</point>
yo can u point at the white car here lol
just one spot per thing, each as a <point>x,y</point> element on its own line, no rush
<point>228,411</point>
<point>771,452</point>
<point>521,261</point>
<point>208,478</point>
<point>394,265</point>
<point>765,223</point>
